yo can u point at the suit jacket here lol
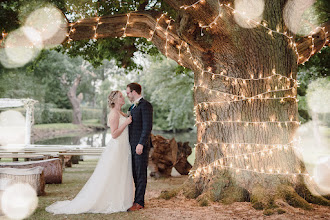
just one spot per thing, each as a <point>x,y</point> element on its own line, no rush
<point>141,126</point>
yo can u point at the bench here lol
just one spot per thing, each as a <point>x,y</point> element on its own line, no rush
<point>27,157</point>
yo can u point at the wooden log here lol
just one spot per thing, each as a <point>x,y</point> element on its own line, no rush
<point>68,160</point>
<point>52,168</point>
<point>33,176</point>
<point>182,165</point>
<point>75,159</point>
<point>167,154</point>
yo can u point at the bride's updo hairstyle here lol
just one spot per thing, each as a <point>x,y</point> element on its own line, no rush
<point>111,98</point>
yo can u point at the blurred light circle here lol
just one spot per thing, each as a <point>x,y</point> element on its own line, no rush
<point>322,174</point>
<point>248,9</point>
<point>319,100</point>
<point>19,201</point>
<point>21,46</point>
<point>6,62</point>
<point>300,16</point>
<point>12,128</point>
<point>33,35</point>
<point>47,20</point>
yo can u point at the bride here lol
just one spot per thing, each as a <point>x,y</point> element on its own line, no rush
<point>110,188</point>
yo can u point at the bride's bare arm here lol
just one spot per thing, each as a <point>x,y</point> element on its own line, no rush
<point>113,121</point>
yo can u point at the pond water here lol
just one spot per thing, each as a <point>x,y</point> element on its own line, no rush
<point>99,139</point>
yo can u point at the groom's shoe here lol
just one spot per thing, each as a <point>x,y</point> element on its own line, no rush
<point>135,207</point>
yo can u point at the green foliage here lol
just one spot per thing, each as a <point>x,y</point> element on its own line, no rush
<point>47,114</point>
<point>50,68</point>
<point>171,95</point>
<point>280,211</point>
<point>16,83</point>
<point>14,12</point>
<point>203,202</point>
<point>292,198</point>
<point>268,212</point>
<point>168,194</point>
<point>317,67</point>
<point>88,114</point>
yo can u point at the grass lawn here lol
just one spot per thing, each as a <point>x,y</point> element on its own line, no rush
<point>56,126</point>
<point>74,179</point>
<point>67,126</point>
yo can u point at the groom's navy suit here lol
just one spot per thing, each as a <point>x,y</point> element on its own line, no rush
<point>139,133</point>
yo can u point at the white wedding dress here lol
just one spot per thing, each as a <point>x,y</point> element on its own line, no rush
<point>110,188</point>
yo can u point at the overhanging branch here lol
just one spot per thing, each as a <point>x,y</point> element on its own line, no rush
<point>310,45</point>
<point>158,28</point>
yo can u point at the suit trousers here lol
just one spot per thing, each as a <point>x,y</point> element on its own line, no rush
<point>140,164</point>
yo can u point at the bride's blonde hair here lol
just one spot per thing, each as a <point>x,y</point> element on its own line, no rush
<point>112,97</point>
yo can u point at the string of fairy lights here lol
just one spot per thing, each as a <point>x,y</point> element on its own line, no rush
<point>127,23</point>
<point>264,96</point>
<point>267,151</point>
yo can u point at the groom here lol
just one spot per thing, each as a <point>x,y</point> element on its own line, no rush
<point>140,141</point>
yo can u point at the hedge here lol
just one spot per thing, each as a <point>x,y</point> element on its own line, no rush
<point>45,114</point>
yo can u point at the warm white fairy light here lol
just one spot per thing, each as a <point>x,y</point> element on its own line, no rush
<point>273,74</point>
<point>124,29</point>
<point>222,162</point>
<point>3,34</point>
<point>166,35</point>
<point>241,96</point>
<point>313,45</point>
<point>262,24</point>
<point>153,31</point>
<point>214,22</point>
<point>95,28</point>
<point>72,30</point>
<point>279,123</point>
<point>193,5</point>
<point>179,48</point>
<point>281,99</point>
<point>267,149</point>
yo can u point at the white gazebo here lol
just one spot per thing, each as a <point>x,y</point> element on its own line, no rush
<point>28,104</point>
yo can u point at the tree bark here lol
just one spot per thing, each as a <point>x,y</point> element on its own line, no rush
<point>75,100</point>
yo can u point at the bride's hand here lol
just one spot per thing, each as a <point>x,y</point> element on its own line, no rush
<point>129,120</point>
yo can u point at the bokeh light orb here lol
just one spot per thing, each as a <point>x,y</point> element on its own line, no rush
<point>248,12</point>
<point>50,23</point>
<point>21,46</point>
<point>322,174</point>
<point>301,17</point>
<point>12,127</point>
<point>19,201</point>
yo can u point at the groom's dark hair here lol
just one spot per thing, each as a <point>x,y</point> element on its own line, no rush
<point>135,87</point>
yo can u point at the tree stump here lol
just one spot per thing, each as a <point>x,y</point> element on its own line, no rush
<point>167,154</point>
<point>68,160</point>
<point>52,168</point>
<point>182,165</point>
<point>33,176</point>
<point>75,159</point>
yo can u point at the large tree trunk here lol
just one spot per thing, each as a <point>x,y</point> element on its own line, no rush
<point>75,100</point>
<point>245,93</point>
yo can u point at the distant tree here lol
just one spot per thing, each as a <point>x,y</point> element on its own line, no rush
<point>170,93</point>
